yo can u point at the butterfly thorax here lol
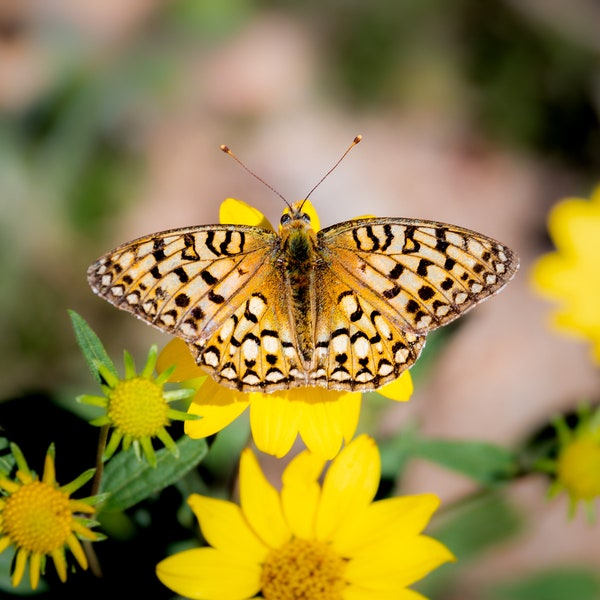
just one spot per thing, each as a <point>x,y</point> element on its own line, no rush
<point>299,260</point>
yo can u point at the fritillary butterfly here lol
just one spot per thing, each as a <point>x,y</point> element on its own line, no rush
<point>345,308</point>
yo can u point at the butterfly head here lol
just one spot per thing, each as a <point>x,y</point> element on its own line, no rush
<point>295,213</point>
<point>300,215</point>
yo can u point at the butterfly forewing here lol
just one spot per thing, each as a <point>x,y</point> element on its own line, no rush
<point>185,281</point>
<point>419,274</point>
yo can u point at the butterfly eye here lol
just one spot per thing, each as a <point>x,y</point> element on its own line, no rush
<point>285,218</point>
<point>305,218</point>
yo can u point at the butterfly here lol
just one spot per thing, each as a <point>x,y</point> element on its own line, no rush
<point>345,308</point>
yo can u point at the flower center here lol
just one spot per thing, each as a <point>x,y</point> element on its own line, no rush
<point>579,468</point>
<point>303,570</point>
<point>137,408</point>
<point>37,517</point>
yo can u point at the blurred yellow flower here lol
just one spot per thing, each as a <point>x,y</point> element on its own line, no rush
<point>38,518</point>
<point>577,467</point>
<point>328,541</point>
<point>571,275</point>
<point>324,419</point>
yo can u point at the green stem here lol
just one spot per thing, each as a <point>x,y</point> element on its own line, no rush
<point>99,462</point>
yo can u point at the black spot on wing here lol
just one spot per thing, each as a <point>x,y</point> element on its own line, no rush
<point>424,264</point>
<point>158,250</point>
<point>189,251</point>
<point>426,292</point>
<point>389,237</point>
<point>396,271</point>
<point>208,277</point>
<point>182,300</point>
<point>216,298</point>
<point>210,239</point>
<point>181,274</point>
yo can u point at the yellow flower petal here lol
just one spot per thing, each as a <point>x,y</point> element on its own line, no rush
<point>348,409</point>
<point>224,528</point>
<point>328,418</point>
<point>8,485</point>
<point>400,389</point>
<point>77,550</point>
<point>573,224</point>
<point>49,475</point>
<point>176,352</point>
<point>551,275</point>
<point>19,569</point>
<point>261,504</point>
<point>60,563</point>
<point>237,212</point>
<point>206,573</point>
<point>392,566</point>
<point>218,406</point>
<point>274,422</point>
<point>354,592</point>
<point>35,564</point>
<point>349,486</point>
<point>394,518</point>
<point>301,492</point>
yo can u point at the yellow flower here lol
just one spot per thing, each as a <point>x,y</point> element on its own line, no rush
<point>328,541</point>
<point>577,467</point>
<point>137,407</point>
<point>571,275</point>
<point>38,518</point>
<point>324,419</point>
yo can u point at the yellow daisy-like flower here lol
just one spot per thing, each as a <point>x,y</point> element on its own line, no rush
<point>137,407</point>
<point>571,275</point>
<point>324,419</point>
<point>328,541</point>
<point>39,519</point>
<point>577,467</point>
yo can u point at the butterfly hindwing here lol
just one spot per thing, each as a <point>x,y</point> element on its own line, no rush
<point>357,347</point>
<point>255,349</point>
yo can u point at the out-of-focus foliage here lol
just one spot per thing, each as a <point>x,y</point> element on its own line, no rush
<point>523,81</point>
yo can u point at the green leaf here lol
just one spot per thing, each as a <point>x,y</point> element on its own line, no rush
<point>557,584</point>
<point>91,346</point>
<point>395,452</point>
<point>130,481</point>
<point>485,463</point>
<point>7,460</point>
<point>477,524</point>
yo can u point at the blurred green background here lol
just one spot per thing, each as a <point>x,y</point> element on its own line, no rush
<point>478,113</point>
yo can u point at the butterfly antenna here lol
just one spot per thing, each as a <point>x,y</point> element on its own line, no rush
<point>354,142</point>
<point>226,149</point>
